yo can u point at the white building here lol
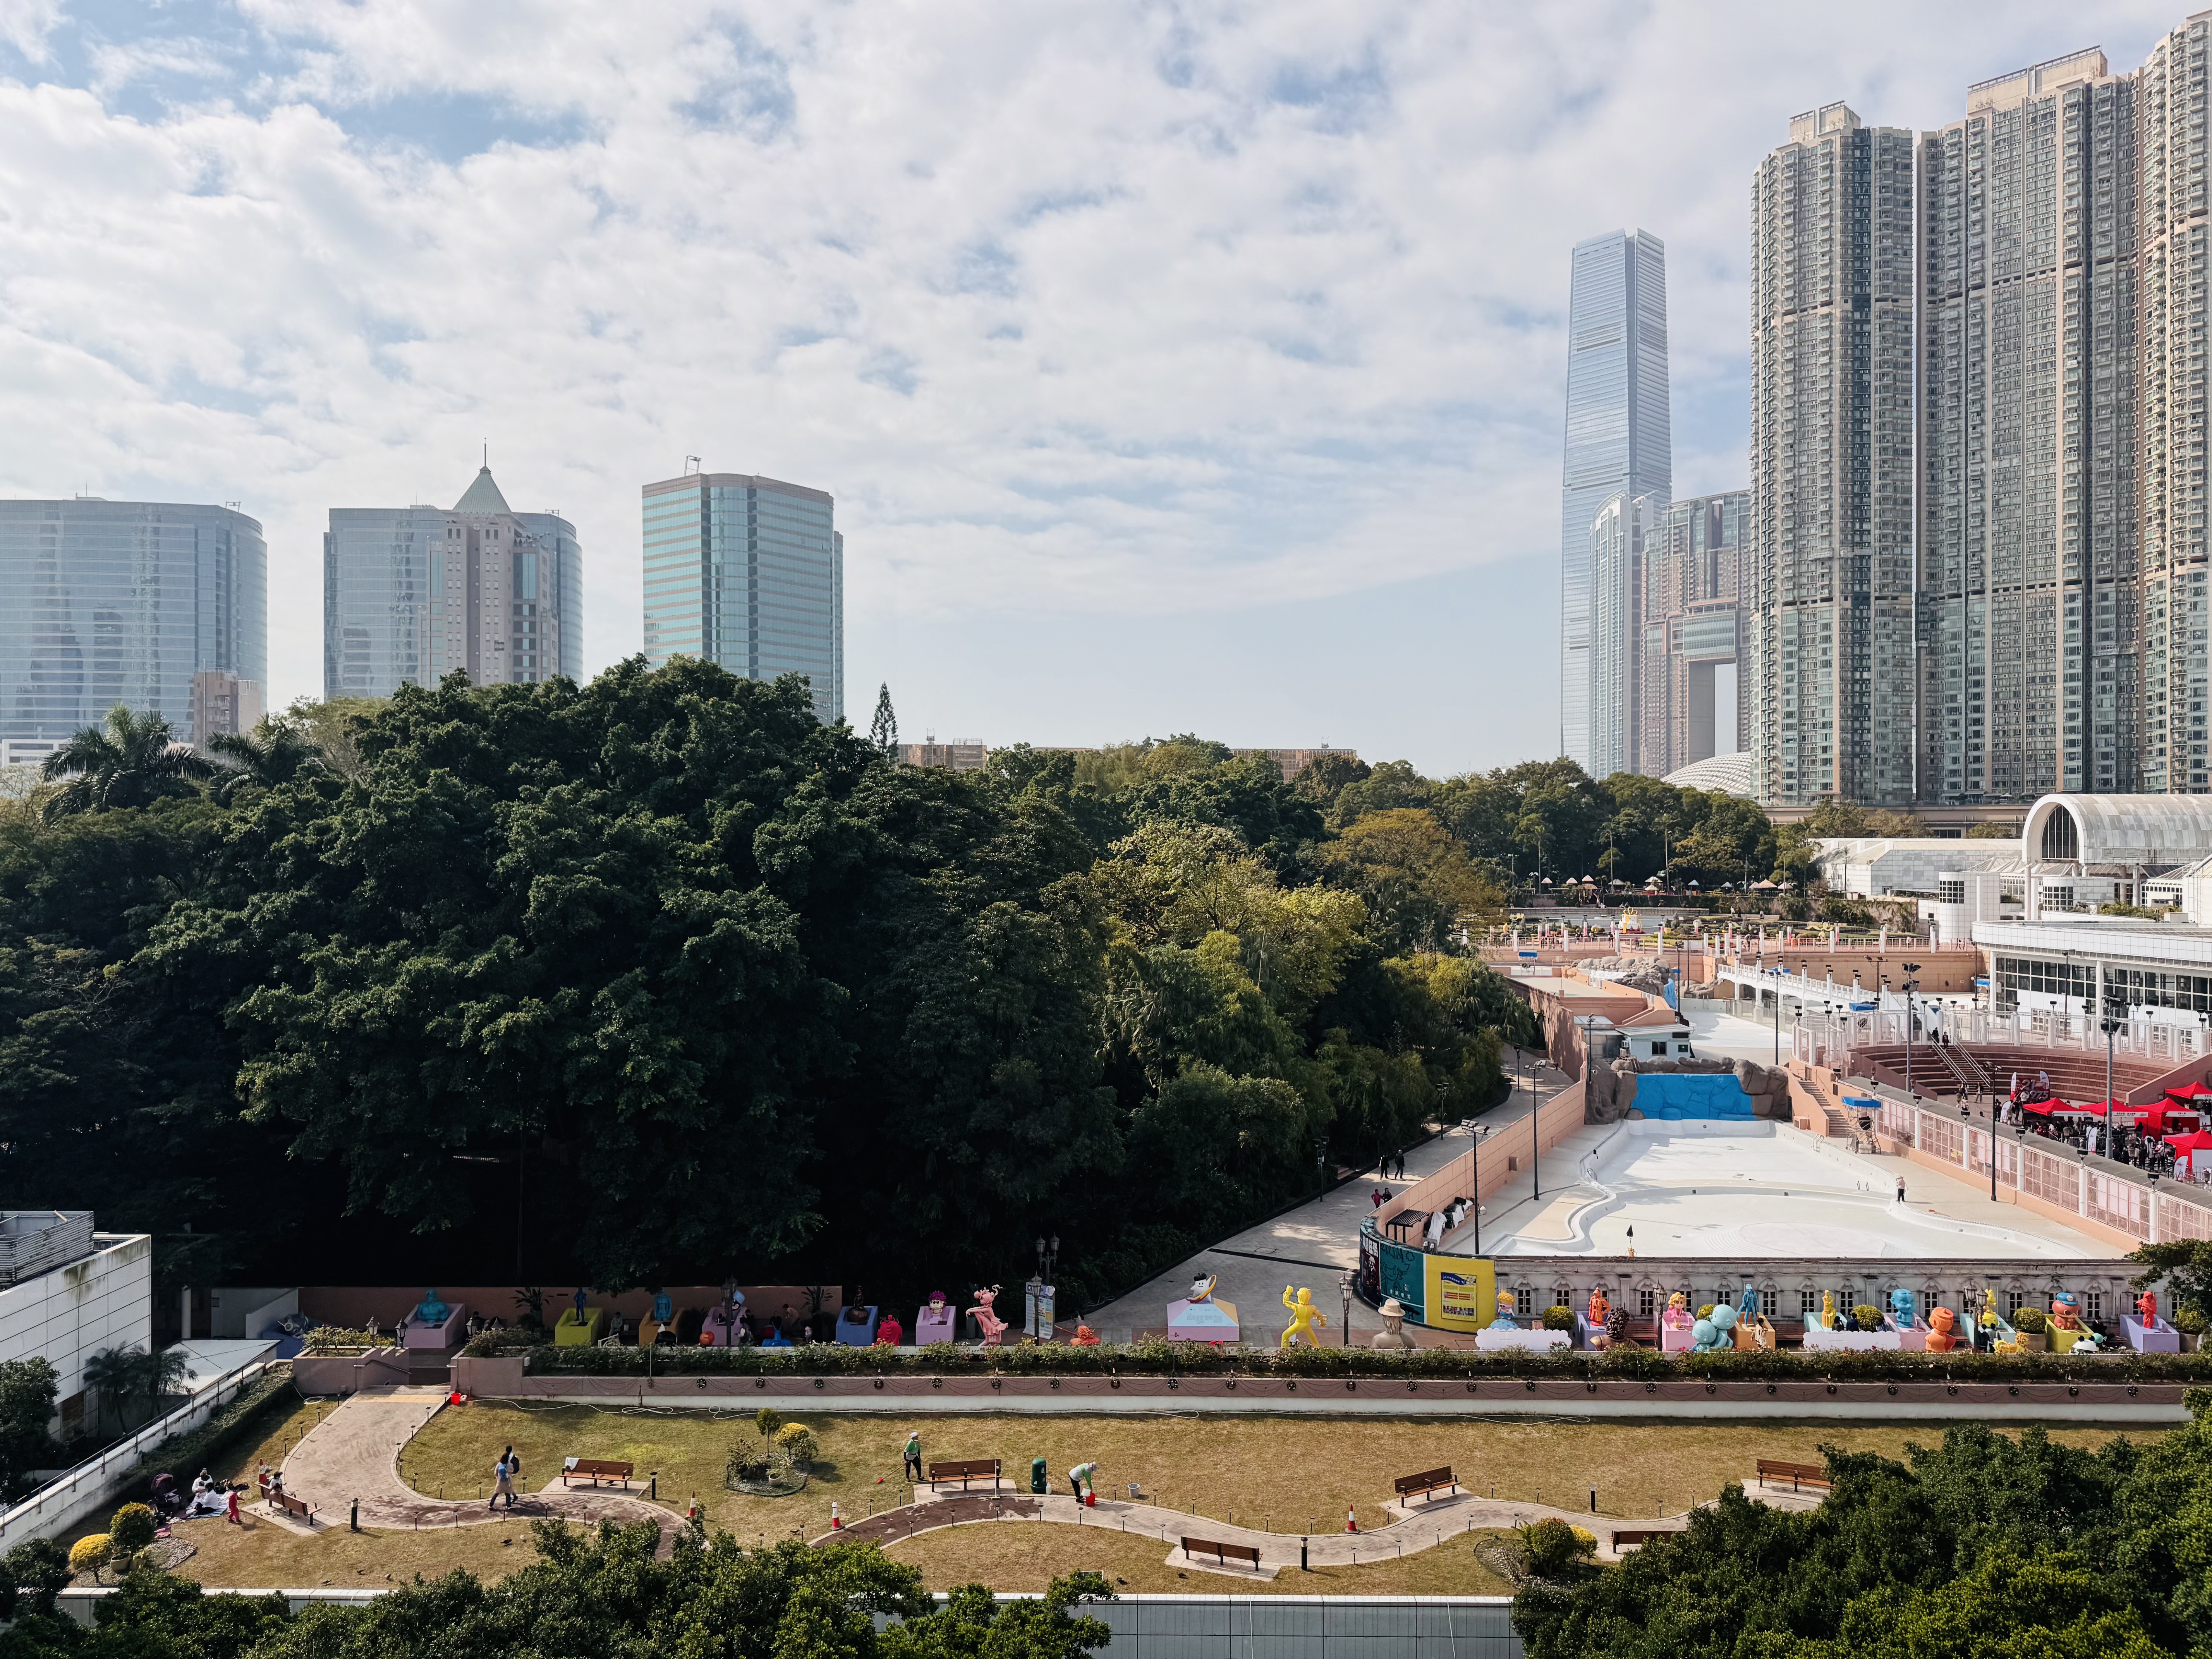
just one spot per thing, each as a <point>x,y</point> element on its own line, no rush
<point>67,1293</point>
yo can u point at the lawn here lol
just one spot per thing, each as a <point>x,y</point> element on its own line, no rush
<point>1280,1473</point>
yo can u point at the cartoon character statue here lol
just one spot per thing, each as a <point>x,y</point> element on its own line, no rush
<point>2147,1309</point>
<point>1303,1317</point>
<point>987,1316</point>
<point>1702,1338</point>
<point>2066,1311</point>
<point>1200,1287</point>
<point>1746,1305</point>
<point>1828,1310</point>
<point>1941,1323</point>
<point>1599,1319</point>
<point>1715,1332</point>
<point>430,1310</point>
<point>1903,1310</point>
<point>1678,1311</point>
<point>1505,1320</point>
<point>1084,1337</point>
<point>663,1308</point>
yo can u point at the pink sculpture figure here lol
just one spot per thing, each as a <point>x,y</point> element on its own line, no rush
<point>993,1327</point>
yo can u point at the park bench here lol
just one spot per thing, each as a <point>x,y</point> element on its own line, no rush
<point>596,1469</point>
<point>1428,1481</point>
<point>1809,1474</point>
<point>297,1508</point>
<point>964,1469</point>
<point>1222,1553</point>
<point>1623,1536</point>
<point>1397,1224</point>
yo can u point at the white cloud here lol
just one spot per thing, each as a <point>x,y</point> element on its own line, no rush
<point>1088,314</point>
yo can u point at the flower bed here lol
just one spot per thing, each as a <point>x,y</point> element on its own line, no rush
<point>1190,1359</point>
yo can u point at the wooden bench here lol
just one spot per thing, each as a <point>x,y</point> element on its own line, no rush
<point>1797,1474</point>
<point>1428,1481</point>
<point>598,1469</point>
<point>1625,1535</point>
<point>964,1470</point>
<point>1222,1553</point>
<point>297,1508</point>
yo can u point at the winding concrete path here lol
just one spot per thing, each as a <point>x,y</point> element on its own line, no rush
<point>353,1455</point>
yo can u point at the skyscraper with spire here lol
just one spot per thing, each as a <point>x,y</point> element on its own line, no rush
<point>411,593</point>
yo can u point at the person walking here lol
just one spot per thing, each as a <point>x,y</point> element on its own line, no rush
<point>230,1509</point>
<point>913,1455</point>
<point>502,1485</point>
<point>513,1471</point>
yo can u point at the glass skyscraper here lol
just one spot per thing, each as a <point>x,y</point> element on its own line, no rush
<point>1618,442</point>
<point>125,602</point>
<point>748,572</point>
<point>410,593</point>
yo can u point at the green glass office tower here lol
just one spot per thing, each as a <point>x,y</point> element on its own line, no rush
<point>749,573</point>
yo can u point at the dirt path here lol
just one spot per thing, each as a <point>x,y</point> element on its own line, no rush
<point>353,1455</point>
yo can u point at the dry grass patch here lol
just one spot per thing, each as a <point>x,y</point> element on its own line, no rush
<point>258,1554</point>
<point>1280,1474</point>
<point>1017,1556</point>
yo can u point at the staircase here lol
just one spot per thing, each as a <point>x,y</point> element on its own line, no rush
<point>1968,1072</point>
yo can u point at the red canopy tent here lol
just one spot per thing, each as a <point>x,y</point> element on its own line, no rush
<point>2189,1148</point>
<point>2191,1092</point>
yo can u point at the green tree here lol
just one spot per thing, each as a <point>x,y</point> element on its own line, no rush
<point>26,1404</point>
<point>132,759</point>
<point>882,730</point>
<point>277,752</point>
<point>1419,886</point>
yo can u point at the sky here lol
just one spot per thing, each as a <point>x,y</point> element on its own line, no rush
<point>1174,367</point>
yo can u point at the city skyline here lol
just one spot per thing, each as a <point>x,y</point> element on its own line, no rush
<point>1127,431</point>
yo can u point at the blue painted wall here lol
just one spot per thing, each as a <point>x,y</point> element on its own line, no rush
<point>1677,1096</point>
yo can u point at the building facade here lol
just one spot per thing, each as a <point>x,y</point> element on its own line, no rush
<point>412,593</point>
<point>2028,597</point>
<point>1619,439</point>
<point>104,603</point>
<point>749,573</point>
<point>1691,695</point>
<point>1830,604</point>
<point>1617,538</point>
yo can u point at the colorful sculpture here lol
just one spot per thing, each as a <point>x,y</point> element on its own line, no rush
<point>1828,1309</point>
<point>1715,1332</point>
<point>936,1321</point>
<point>663,1308</point>
<point>1601,1310</point>
<point>430,1310</point>
<point>1903,1310</point>
<point>1084,1337</point>
<point>1505,1320</point>
<point>987,1317</point>
<point>1940,1322</point>
<point>1200,1318</point>
<point>2147,1309</point>
<point>1303,1317</point>
<point>1746,1305</point>
<point>1392,1337</point>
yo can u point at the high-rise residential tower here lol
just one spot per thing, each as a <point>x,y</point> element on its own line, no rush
<point>1831,599</point>
<point>749,573</point>
<point>128,602</point>
<point>411,593</point>
<point>1617,576</point>
<point>1617,441</point>
<point>2173,272</point>
<point>1693,698</point>
<point>2028,597</point>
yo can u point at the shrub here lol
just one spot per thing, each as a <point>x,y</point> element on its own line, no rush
<point>2189,1320</point>
<point>1868,1316</point>
<point>794,1442</point>
<point>1705,1312</point>
<point>132,1529</point>
<point>766,1421</point>
<point>1553,1549</point>
<point>34,1572</point>
<point>333,1339</point>
<point>2033,1321</point>
<point>91,1553</point>
<point>1557,1318</point>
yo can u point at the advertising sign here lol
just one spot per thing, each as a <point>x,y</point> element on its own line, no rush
<point>1463,1292</point>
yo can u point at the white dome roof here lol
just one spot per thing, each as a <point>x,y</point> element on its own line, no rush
<point>1717,775</point>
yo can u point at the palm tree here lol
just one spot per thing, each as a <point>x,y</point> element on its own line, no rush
<point>131,760</point>
<point>275,753</point>
<point>160,1375</point>
<point>111,1375</point>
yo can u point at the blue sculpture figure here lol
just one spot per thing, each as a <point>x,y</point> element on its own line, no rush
<point>1746,1306</point>
<point>1715,1332</point>
<point>1504,1322</point>
<point>1902,1308</point>
<point>663,1308</point>
<point>430,1310</point>
<point>1703,1337</point>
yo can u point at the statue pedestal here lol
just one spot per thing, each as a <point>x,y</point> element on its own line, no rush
<point>2161,1337</point>
<point>859,1335</point>
<point>1588,1335</point>
<point>1676,1339</point>
<point>1211,1320</point>
<point>451,1335</point>
<point>1490,1339</point>
<point>937,1325</point>
<point>1819,1336</point>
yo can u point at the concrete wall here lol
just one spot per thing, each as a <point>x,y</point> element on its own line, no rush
<point>106,1300</point>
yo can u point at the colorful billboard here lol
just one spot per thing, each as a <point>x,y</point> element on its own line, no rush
<point>1463,1292</point>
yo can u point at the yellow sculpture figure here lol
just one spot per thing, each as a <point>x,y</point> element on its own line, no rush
<point>1828,1309</point>
<point>1303,1317</point>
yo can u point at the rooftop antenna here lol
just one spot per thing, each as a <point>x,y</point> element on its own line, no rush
<point>487,455</point>
<point>691,464</point>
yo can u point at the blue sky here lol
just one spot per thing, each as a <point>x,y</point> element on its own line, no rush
<point>1174,367</point>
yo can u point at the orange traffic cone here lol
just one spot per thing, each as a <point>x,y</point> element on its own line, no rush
<point>1351,1519</point>
<point>835,1525</point>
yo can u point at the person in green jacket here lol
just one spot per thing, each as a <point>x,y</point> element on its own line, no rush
<point>1081,1476</point>
<point>913,1455</point>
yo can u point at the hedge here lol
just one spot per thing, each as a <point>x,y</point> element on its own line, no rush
<point>1157,1358</point>
<point>185,1454</point>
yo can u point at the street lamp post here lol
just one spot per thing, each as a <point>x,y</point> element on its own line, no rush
<point>1476,1134</point>
<point>1910,986</point>
<point>2111,1029</point>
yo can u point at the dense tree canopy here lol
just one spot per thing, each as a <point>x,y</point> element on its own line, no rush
<point>659,979</point>
<point>1985,1546</point>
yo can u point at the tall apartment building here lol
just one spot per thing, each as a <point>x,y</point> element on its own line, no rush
<point>1692,697</point>
<point>1830,604</point>
<point>1619,439</point>
<point>411,593</point>
<point>749,573</point>
<point>2028,596</point>
<point>104,602</point>
<point>2174,266</point>
<point>1616,557</point>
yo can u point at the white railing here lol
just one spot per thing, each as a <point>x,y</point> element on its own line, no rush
<point>69,1495</point>
<point>1825,1037</point>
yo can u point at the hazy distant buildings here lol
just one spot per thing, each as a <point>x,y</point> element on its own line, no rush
<point>749,573</point>
<point>411,593</point>
<point>957,756</point>
<point>1618,443</point>
<point>127,602</point>
<point>2028,596</point>
<point>1692,696</point>
<point>1831,599</point>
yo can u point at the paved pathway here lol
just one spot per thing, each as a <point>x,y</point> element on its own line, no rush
<point>353,1454</point>
<point>1418,1527</point>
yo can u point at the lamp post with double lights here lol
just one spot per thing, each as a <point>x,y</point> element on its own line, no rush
<point>1911,984</point>
<point>1476,1134</point>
